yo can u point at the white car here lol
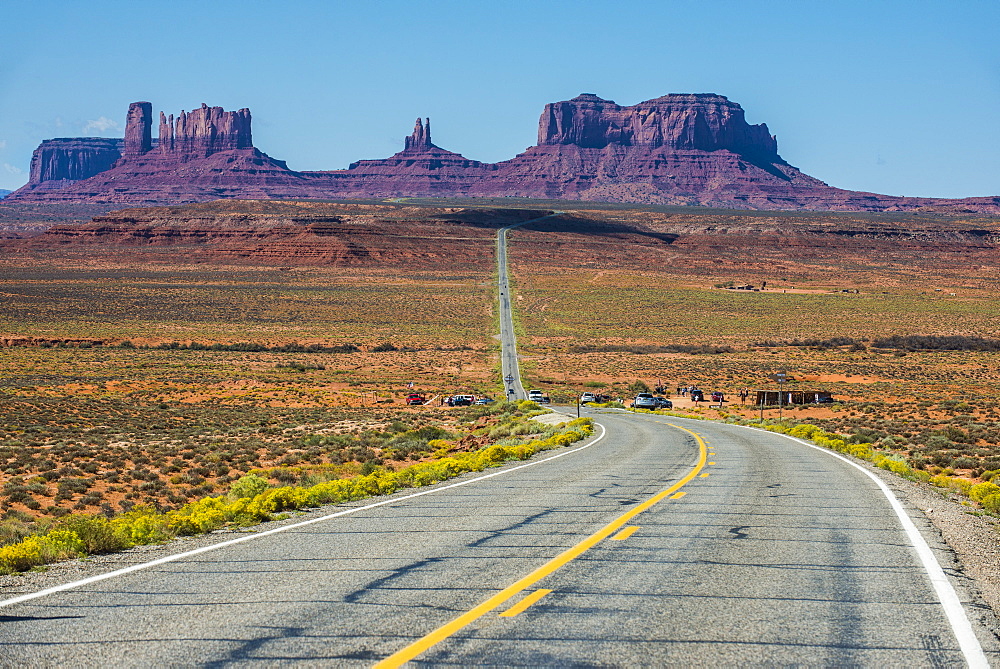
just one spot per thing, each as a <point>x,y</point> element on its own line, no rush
<point>587,397</point>
<point>645,401</point>
<point>538,396</point>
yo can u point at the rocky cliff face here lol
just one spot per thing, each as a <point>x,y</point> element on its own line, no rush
<point>73,159</point>
<point>306,233</point>
<point>200,155</point>
<point>204,131</point>
<point>138,130</point>
<point>700,122</point>
<point>683,149</point>
<point>675,149</point>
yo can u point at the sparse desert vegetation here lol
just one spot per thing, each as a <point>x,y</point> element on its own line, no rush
<point>255,497</point>
<point>158,386</point>
<point>908,345</point>
<point>130,380</point>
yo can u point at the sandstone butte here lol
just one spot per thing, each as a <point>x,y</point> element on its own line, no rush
<point>679,149</point>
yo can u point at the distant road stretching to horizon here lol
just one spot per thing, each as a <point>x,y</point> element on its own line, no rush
<point>509,367</point>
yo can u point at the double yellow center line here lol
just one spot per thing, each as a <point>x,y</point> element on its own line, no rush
<point>440,634</point>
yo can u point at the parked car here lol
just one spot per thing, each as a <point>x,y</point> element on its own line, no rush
<point>664,403</point>
<point>414,399</point>
<point>717,396</point>
<point>644,401</point>
<point>697,395</point>
<point>587,397</point>
<point>484,400</point>
<point>461,400</point>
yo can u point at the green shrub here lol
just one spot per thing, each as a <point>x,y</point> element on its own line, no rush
<point>964,463</point>
<point>96,533</point>
<point>249,485</point>
<point>637,387</point>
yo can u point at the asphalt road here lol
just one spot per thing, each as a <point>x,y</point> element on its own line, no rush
<point>509,368</point>
<point>761,552</point>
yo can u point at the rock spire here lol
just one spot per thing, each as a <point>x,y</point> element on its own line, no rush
<point>420,140</point>
<point>138,130</point>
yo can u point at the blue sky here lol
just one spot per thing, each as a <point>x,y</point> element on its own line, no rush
<point>892,97</point>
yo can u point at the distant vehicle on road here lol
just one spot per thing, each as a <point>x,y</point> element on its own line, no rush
<point>538,396</point>
<point>414,399</point>
<point>645,401</point>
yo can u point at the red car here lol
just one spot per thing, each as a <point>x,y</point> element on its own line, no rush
<point>414,399</point>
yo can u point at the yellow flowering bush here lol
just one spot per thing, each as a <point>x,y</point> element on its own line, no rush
<point>38,550</point>
<point>142,526</point>
<point>892,463</point>
<point>991,503</point>
<point>80,535</point>
<point>981,491</point>
<point>958,485</point>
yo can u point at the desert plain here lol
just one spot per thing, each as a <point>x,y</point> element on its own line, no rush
<point>154,356</point>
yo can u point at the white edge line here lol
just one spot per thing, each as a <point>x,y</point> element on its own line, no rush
<point>285,528</point>
<point>952,605</point>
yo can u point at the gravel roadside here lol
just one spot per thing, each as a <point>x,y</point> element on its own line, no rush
<point>972,536</point>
